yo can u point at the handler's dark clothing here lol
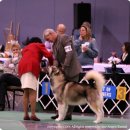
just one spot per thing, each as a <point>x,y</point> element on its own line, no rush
<point>65,56</point>
<point>6,80</point>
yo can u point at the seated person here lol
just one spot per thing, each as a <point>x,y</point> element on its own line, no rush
<point>9,77</point>
<point>2,51</point>
<point>125,57</point>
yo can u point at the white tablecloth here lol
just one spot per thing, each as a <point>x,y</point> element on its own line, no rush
<point>101,67</point>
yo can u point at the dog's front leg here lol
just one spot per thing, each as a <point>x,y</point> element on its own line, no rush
<point>62,110</point>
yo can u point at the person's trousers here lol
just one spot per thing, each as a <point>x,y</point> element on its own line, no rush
<point>70,111</point>
<point>6,80</point>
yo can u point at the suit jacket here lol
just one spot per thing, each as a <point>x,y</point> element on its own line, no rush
<point>31,58</point>
<point>65,56</point>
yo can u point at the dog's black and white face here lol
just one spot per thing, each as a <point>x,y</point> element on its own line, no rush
<point>56,76</point>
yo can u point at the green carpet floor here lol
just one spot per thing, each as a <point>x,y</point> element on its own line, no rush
<point>13,120</point>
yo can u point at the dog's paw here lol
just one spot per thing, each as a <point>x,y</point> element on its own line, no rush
<point>58,119</point>
<point>97,121</point>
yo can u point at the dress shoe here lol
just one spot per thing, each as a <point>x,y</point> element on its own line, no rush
<point>2,108</point>
<point>34,118</point>
<point>68,117</point>
<point>54,117</point>
<point>26,118</point>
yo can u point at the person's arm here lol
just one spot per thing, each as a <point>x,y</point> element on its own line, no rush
<point>47,54</point>
<point>77,46</point>
<point>92,51</point>
<point>69,50</point>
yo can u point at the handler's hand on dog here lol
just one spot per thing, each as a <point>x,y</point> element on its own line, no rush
<point>44,69</point>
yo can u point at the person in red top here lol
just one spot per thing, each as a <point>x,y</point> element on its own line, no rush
<point>29,70</point>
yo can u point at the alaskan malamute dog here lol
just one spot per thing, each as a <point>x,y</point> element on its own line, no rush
<point>72,93</point>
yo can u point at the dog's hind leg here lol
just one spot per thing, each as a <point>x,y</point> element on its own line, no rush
<point>100,115</point>
<point>98,109</point>
<point>62,110</point>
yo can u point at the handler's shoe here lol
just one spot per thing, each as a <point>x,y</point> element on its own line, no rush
<point>54,117</point>
<point>66,118</point>
<point>34,118</point>
<point>2,107</point>
<point>26,118</point>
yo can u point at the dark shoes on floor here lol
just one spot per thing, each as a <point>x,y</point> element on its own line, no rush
<point>66,118</point>
<point>33,118</point>
<point>54,117</point>
<point>2,108</point>
<point>26,118</point>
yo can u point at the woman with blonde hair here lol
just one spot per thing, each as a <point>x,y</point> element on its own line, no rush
<point>86,46</point>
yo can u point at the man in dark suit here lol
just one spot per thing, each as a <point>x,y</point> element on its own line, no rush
<point>65,57</point>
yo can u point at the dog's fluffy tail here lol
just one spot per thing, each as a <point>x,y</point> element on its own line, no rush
<point>97,77</point>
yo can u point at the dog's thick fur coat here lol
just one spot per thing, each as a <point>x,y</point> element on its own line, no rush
<point>72,93</point>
